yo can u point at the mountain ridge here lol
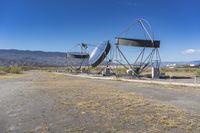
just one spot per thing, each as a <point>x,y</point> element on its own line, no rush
<point>31,58</point>
<point>10,57</point>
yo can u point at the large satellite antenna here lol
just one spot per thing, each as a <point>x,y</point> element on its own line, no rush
<point>141,63</point>
<point>76,60</point>
<point>99,53</point>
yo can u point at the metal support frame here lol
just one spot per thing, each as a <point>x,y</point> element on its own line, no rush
<point>77,68</point>
<point>141,63</point>
<point>131,67</point>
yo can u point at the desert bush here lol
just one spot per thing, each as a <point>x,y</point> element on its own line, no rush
<point>198,72</point>
<point>15,69</point>
<point>12,69</point>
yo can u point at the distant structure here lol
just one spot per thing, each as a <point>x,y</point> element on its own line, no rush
<point>141,63</point>
<point>76,60</point>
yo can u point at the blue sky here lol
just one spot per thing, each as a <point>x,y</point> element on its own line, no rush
<point>57,25</point>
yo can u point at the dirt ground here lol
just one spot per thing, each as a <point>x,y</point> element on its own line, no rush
<point>44,102</point>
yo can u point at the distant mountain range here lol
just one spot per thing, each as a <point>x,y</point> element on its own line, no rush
<point>195,62</point>
<point>31,58</point>
<point>40,58</point>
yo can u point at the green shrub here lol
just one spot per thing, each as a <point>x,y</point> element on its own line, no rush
<point>198,72</point>
<point>15,69</point>
<point>12,69</point>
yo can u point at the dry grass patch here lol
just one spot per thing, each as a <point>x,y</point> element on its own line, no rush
<point>113,110</point>
<point>11,76</point>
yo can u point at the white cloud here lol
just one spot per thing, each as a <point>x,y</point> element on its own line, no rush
<point>191,51</point>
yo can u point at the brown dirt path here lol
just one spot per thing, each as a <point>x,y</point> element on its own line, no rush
<point>45,102</point>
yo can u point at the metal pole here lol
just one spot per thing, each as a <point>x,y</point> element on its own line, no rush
<point>145,29</point>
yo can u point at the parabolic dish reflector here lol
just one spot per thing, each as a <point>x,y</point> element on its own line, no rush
<point>137,42</point>
<point>77,55</point>
<point>99,53</point>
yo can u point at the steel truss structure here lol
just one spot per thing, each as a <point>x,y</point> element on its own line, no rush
<point>141,63</point>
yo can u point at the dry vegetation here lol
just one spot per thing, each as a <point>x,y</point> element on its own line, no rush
<point>181,71</point>
<point>13,69</point>
<point>168,71</point>
<point>6,76</point>
<point>11,72</point>
<point>103,108</point>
